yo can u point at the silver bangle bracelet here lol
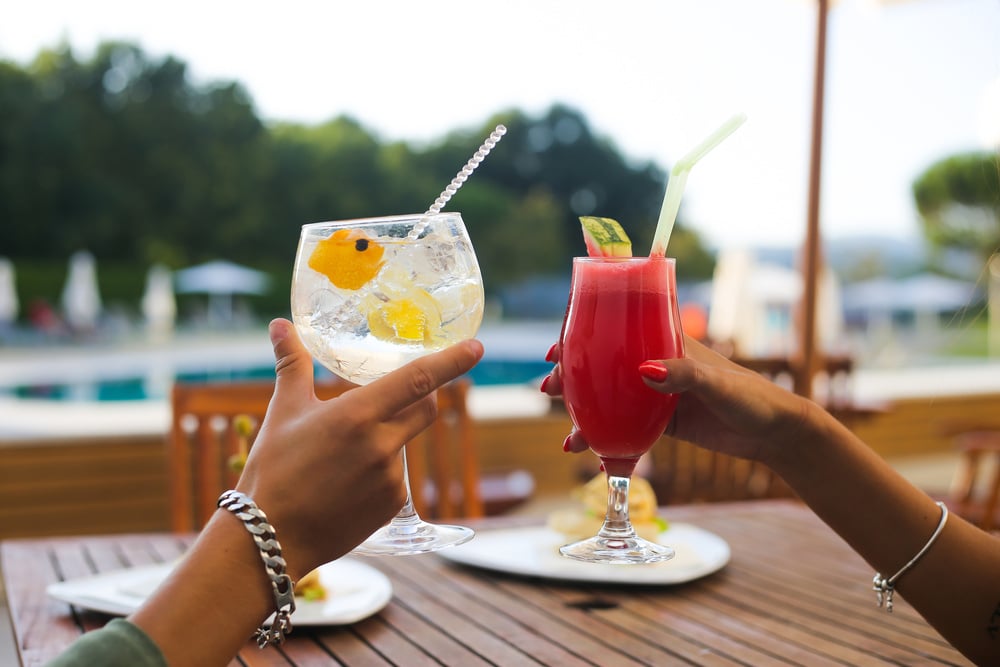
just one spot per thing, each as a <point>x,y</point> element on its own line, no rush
<point>883,587</point>
<point>255,521</point>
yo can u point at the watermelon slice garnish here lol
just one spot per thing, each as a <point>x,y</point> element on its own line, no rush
<point>605,237</point>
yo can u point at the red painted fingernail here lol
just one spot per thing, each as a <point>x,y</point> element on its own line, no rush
<point>551,354</point>
<point>602,467</point>
<point>545,383</point>
<point>653,370</point>
<point>566,443</point>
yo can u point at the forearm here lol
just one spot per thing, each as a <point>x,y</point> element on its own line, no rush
<point>955,585</point>
<point>185,617</point>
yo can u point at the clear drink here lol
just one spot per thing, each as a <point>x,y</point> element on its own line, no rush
<point>423,294</point>
<point>371,295</point>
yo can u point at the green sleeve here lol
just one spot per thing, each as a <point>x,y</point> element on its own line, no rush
<point>117,644</point>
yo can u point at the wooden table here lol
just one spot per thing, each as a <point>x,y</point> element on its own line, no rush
<point>793,593</point>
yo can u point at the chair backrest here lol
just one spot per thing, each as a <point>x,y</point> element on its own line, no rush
<point>682,473</point>
<point>433,458</point>
<point>975,491</point>
<point>833,381</point>
<point>203,438</point>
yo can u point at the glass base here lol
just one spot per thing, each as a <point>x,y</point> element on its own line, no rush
<point>617,551</point>
<point>413,538</point>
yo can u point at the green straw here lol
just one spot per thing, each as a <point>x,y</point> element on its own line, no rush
<point>678,179</point>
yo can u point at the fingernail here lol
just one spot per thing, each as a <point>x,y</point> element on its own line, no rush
<point>566,443</point>
<point>551,354</point>
<point>602,468</point>
<point>653,370</point>
<point>545,383</point>
<point>277,331</point>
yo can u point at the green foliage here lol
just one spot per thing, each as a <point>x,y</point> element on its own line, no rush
<point>958,199</point>
<point>124,156</point>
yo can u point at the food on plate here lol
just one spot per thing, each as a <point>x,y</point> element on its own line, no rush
<point>310,587</point>
<point>587,517</point>
<point>243,427</point>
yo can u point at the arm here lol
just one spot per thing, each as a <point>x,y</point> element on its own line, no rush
<point>955,585</point>
<point>315,464</point>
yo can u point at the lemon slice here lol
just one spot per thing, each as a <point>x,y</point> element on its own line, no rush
<point>413,317</point>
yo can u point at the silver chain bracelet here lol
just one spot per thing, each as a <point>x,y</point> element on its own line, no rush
<point>255,521</point>
<point>883,587</point>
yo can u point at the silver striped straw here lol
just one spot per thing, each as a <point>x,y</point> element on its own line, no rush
<point>459,179</point>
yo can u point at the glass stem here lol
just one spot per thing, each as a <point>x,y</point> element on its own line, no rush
<point>616,522</point>
<point>406,520</point>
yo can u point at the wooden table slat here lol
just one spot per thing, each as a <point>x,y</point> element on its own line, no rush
<point>538,634</point>
<point>437,605</point>
<point>895,637</point>
<point>793,594</point>
<point>397,647</point>
<point>352,645</point>
<point>614,633</point>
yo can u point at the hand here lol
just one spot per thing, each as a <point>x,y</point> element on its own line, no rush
<point>723,406</point>
<point>328,473</point>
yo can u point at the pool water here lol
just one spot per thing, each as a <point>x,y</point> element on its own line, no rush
<point>487,372</point>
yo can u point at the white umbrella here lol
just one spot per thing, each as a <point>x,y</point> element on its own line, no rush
<point>752,303</point>
<point>808,337</point>
<point>924,292</point>
<point>221,277</point>
<point>221,280</point>
<point>81,298</point>
<point>159,307</point>
<point>8,293</point>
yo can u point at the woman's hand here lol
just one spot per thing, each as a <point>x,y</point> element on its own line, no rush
<point>723,406</point>
<point>328,473</point>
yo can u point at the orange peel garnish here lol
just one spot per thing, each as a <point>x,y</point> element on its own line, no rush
<point>349,258</point>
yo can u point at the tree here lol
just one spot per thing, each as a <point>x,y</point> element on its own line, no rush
<point>123,155</point>
<point>556,157</point>
<point>958,199</point>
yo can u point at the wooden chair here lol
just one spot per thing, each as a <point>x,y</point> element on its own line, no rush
<point>203,438</point>
<point>975,491</point>
<point>833,384</point>
<point>682,473</point>
<point>447,446</point>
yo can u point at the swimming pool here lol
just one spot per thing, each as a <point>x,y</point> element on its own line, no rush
<point>137,388</point>
<point>135,371</point>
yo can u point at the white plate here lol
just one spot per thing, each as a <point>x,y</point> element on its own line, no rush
<point>354,591</point>
<point>535,552</point>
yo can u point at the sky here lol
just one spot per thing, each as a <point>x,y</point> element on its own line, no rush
<point>906,83</point>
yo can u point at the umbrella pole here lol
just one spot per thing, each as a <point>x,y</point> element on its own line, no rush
<point>808,354</point>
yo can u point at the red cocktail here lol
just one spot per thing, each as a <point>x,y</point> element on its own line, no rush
<point>622,312</point>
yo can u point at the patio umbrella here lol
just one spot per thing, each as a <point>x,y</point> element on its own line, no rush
<point>81,298</point>
<point>221,277</point>
<point>809,361</point>
<point>8,293</point>
<point>753,301</point>
<point>922,292</point>
<point>221,280</point>
<point>158,304</point>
